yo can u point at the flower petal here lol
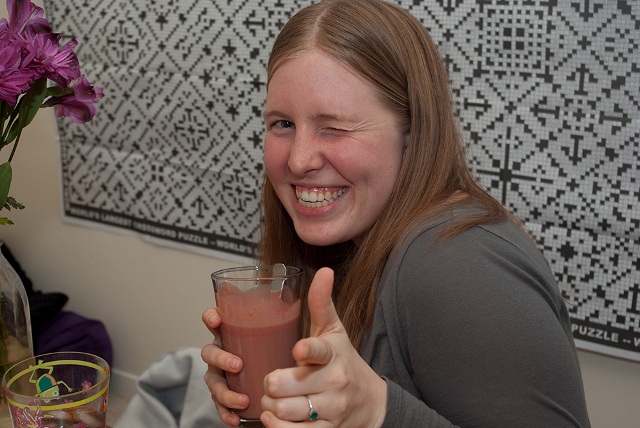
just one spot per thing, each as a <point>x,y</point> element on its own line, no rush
<point>26,17</point>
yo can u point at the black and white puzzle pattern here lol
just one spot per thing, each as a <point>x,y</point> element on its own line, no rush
<point>547,92</point>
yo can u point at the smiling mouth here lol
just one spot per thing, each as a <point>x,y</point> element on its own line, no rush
<point>316,198</point>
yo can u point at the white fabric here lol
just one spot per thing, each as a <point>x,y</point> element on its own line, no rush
<point>172,394</point>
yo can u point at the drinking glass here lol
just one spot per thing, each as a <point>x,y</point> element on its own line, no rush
<point>260,311</point>
<point>58,390</point>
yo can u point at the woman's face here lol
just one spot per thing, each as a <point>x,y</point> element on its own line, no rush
<point>332,149</point>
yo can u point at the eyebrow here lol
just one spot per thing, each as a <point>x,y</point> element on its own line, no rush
<point>270,113</point>
<point>318,117</point>
<point>337,118</point>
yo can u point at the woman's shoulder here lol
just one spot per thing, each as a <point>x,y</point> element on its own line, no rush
<point>427,260</point>
<point>488,244</point>
<point>431,234</point>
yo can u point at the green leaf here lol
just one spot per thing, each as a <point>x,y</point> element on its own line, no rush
<point>12,203</point>
<point>10,119</point>
<point>5,182</point>
<point>5,221</point>
<point>5,110</point>
<point>57,91</point>
<point>30,102</point>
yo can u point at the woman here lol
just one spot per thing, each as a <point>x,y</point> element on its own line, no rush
<point>445,312</point>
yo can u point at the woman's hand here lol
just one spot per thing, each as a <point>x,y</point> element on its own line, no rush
<point>219,362</point>
<point>342,387</point>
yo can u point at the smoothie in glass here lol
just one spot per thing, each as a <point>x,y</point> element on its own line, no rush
<point>260,324</point>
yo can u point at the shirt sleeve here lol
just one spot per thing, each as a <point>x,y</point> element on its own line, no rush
<point>405,410</point>
<point>484,335</point>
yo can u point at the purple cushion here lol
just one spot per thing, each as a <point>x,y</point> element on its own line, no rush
<point>69,331</point>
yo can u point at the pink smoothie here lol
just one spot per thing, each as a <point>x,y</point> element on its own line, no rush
<point>261,329</point>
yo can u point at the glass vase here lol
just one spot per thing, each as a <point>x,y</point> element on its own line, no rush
<point>16,342</point>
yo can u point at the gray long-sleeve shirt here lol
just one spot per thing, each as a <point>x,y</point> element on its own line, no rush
<point>471,331</point>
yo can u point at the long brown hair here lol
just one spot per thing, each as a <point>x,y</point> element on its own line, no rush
<point>387,46</point>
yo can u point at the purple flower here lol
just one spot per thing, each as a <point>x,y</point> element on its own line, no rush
<point>14,80</point>
<point>47,59</point>
<point>26,17</point>
<point>30,58</point>
<point>78,106</point>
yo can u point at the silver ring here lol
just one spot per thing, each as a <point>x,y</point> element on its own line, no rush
<point>313,415</point>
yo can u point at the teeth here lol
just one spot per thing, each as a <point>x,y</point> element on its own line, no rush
<point>317,199</point>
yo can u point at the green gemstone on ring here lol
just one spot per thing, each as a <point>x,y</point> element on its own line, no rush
<point>313,415</point>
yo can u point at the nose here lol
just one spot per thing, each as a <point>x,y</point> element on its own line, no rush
<point>305,154</point>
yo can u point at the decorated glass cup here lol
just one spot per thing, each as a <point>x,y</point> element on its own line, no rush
<point>56,390</point>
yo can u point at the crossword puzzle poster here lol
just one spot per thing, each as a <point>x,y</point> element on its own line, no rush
<point>547,92</point>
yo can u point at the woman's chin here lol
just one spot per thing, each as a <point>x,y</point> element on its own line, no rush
<point>317,238</point>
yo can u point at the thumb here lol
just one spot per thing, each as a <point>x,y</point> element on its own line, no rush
<point>324,318</point>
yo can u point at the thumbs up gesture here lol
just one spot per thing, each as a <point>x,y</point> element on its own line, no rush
<point>330,375</point>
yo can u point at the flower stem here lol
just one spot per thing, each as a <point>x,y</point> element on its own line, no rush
<point>12,118</point>
<point>15,146</point>
<point>2,121</point>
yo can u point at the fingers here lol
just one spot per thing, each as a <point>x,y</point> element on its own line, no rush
<point>297,409</point>
<point>224,399</point>
<point>290,408</point>
<point>324,321</point>
<point>227,417</point>
<point>214,356</point>
<point>312,351</point>
<point>218,362</point>
<point>301,420</point>
<point>227,400</point>
<point>298,381</point>
<point>324,318</point>
<point>211,319</point>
